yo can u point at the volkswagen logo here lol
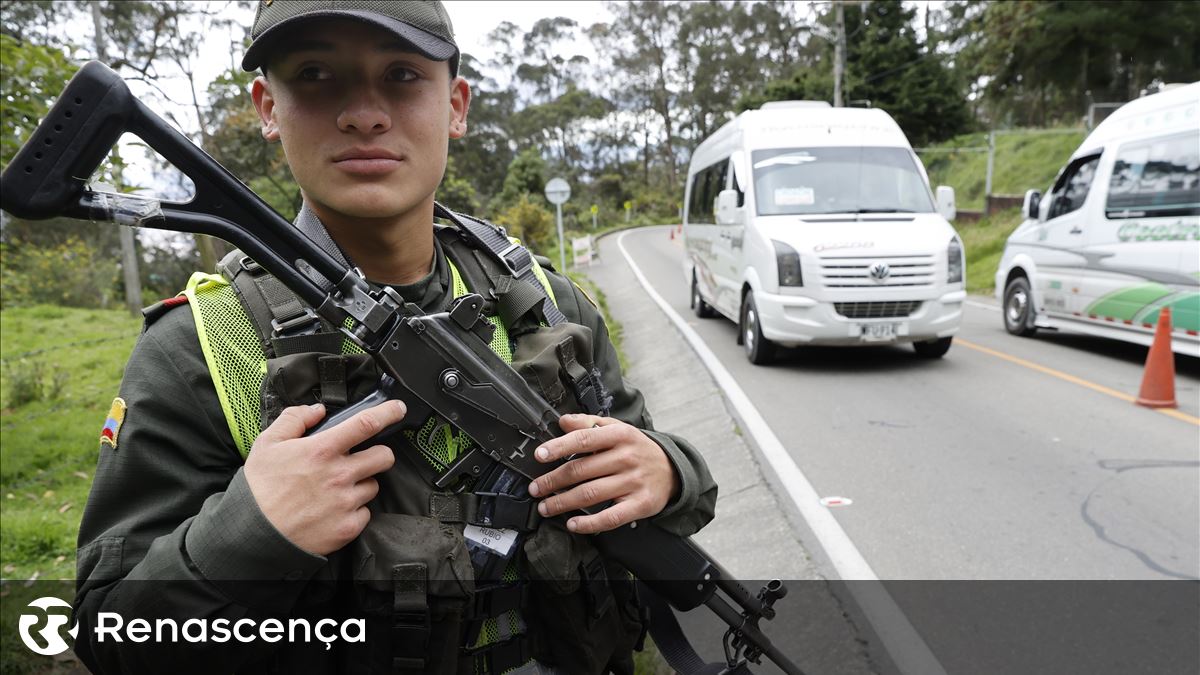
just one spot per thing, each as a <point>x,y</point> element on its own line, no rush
<point>879,271</point>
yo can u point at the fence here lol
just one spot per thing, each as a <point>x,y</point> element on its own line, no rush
<point>991,200</point>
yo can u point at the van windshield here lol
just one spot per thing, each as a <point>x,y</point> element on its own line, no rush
<point>791,181</point>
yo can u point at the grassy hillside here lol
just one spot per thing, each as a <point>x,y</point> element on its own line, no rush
<point>984,242</point>
<point>61,368</point>
<point>1025,159</point>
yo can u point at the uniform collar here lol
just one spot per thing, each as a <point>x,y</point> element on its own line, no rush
<point>432,289</point>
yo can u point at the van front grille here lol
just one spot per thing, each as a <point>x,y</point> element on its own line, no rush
<point>877,310</point>
<point>913,271</point>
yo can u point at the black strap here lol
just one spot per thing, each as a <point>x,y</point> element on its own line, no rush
<point>594,580</point>
<point>588,387</point>
<point>410,617</point>
<point>332,370</point>
<point>497,600</point>
<point>516,260</point>
<point>500,657</point>
<point>239,270</point>
<point>486,509</point>
<point>276,313</point>
<point>318,342</point>
<point>670,640</point>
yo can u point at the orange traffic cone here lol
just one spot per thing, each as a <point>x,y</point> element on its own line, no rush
<point>1158,384</point>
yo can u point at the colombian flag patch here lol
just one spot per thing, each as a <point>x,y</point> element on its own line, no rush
<point>112,425</point>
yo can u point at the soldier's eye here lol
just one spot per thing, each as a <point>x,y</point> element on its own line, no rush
<point>312,74</point>
<point>402,74</point>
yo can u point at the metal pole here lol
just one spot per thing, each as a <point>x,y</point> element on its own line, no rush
<point>562,247</point>
<point>839,52</point>
<point>991,162</point>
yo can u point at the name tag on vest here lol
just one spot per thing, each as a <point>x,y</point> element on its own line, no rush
<point>499,540</point>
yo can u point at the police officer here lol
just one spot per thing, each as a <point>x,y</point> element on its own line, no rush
<point>201,510</point>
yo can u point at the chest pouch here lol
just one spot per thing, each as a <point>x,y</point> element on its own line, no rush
<point>315,377</point>
<point>557,362</point>
<point>413,582</point>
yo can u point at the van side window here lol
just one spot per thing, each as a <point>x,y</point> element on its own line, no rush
<point>1157,177</point>
<point>700,206</point>
<point>1072,188</point>
<point>694,202</point>
<point>733,182</point>
<point>717,181</point>
<point>706,185</point>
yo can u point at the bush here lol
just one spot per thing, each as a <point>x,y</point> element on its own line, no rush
<point>70,273</point>
<point>529,222</point>
<point>32,380</point>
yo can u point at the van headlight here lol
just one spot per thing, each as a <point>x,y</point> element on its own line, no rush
<point>954,262</point>
<point>787,261</point>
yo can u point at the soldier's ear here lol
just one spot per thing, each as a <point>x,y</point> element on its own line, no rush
<point>264,103</point>
<point>460,103</point>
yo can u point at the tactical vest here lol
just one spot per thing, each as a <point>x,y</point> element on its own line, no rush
<point>428,596</point>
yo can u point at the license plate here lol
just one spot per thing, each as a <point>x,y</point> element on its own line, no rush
<point>878,332</point>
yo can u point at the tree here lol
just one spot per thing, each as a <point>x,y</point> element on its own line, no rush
<point>32,75</point>
<point>1040,62</point>
<point>482,157</point>
<point>141,40</point>
<point>530,222</point>
<point>646,57</point>
<point>456,193</point>
<point>887,67</point>
<point>526,175</point>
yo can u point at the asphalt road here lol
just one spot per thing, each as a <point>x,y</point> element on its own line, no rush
<point>1009,459</point>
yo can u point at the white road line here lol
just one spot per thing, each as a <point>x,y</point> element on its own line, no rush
<point>981,305</point>
<point>905,646</point>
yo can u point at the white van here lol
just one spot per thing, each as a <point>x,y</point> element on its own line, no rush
<point>813,225</point>
<point>1117,237</point>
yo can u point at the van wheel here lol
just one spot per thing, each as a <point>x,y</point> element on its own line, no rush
<point>1018,308</point>
<point>759,350</point>
<point>699,306</point>
<point>933,349</point>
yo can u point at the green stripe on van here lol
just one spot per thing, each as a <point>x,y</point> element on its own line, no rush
<point>1127,302</point>
<point>1185,312</point>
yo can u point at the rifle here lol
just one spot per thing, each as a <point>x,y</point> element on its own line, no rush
<point>436,363</point>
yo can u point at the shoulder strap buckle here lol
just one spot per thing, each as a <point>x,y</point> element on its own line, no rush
<point>248,264</point>
<point>289,324</point>
<point>517,259</point>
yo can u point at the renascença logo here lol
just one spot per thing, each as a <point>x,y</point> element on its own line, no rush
<point>110,626</point>
<point>51,633</point>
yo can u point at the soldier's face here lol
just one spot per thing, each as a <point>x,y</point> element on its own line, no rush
<point>364,123</point>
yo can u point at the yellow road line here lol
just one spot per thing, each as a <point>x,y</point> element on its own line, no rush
<point>1169,412</point>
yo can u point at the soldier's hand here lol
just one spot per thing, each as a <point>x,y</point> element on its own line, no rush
<point>614,462</point>
<point>313,490</point>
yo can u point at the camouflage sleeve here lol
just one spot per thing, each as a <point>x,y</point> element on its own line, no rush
<point>171,529</point>
<point>695,505</point>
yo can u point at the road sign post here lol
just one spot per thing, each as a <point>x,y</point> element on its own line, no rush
<point>558,191</point>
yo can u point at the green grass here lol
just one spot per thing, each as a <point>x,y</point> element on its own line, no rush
<point>50,444</point>
<point>984,242</point>
<point>1025,159</point>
